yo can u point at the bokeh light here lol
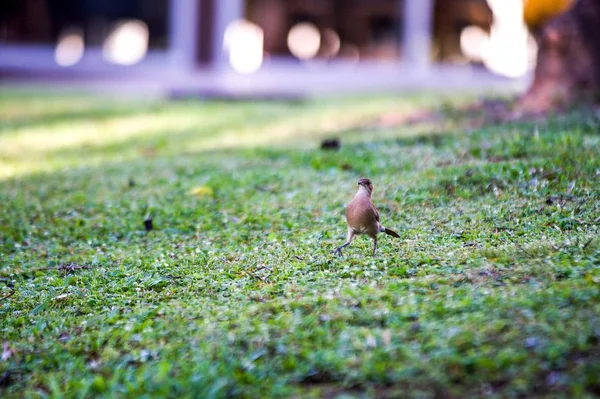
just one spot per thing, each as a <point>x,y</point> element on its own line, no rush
<point>69,47</point>
<point>330,43</point>
<point>304,40</point>
<point>127,44</point>
<point>244,42</point>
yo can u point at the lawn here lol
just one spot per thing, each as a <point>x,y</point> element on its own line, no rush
<point>493,288</point>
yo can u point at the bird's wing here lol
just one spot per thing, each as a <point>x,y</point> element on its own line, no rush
<point>376,212</point>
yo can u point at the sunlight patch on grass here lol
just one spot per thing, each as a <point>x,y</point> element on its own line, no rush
<point>181,127</point>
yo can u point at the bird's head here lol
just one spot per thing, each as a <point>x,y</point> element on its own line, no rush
<point>366,183</point>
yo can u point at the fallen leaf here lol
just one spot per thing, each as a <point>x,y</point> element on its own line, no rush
<point>7,351</point>
<point>62,296</point>
<point>202,191</point>
<point>64,337</point>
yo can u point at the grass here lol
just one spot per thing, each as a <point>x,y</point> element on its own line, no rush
<point>494,288</point>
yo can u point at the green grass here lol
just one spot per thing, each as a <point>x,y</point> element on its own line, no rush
<point>494,288</point>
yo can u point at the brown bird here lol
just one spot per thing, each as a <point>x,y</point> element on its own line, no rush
<point>363,218</point>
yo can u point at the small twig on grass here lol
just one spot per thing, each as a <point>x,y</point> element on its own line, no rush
<point>551,173</point>
<point>11,293</point>
<point>256,276</point>
<point>264,280</point>
<point>71,267</point>
<point>582,202</point>
<point>587,243</point>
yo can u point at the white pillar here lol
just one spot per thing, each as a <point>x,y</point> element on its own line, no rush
<point>226,11</point>
<point>183,33</point>
<point>417,32</point>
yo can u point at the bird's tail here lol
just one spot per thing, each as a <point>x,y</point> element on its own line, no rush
<point>390,232</point>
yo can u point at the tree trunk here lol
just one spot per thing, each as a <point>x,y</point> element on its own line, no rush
<point>568,66</point>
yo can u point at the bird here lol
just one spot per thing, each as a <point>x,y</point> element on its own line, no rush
<point>363,217</point>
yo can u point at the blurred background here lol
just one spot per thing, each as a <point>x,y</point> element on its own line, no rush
<point>269,46</point>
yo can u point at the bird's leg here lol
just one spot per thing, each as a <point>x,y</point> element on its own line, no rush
<point>374,245</point>
<point>338,250</point>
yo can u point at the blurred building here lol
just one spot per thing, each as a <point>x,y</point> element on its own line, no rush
<point>172,39</point>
